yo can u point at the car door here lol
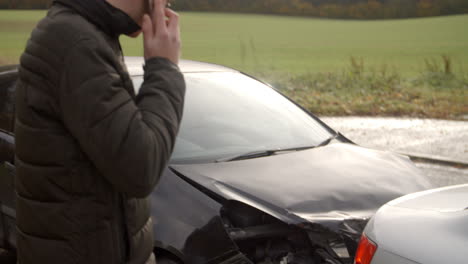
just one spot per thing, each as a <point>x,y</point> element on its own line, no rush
<point>8,76</point>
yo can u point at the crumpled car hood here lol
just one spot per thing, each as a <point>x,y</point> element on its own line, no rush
<point>330,183</point>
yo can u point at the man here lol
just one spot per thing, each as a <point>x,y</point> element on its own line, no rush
<point>90,151</point>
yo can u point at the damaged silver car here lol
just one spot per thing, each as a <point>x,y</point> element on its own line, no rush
<point>254,178</point>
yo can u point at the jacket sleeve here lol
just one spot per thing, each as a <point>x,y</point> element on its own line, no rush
<point>129,141</point>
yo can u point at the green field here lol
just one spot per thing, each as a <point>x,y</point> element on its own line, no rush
<point>290,44</point>
<point>285,50</point>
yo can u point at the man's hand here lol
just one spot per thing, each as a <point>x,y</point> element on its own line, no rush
<point>161,33</point>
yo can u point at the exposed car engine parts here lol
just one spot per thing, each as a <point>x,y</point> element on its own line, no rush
<point>266,240</point>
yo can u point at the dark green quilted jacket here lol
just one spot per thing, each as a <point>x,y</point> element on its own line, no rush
<point>88,150</point>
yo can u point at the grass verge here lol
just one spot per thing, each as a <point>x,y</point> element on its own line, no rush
<point>433,93</point>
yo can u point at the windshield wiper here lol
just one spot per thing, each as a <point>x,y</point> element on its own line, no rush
<point>249,155</point>
<point>271,152</point>
<point>328,140</point>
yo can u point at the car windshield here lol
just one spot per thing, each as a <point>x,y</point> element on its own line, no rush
<point>229,113</point>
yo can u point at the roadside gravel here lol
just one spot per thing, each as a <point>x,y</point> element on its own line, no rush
<point>437,138</point>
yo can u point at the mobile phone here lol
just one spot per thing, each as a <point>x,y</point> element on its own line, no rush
<point>150,6</point>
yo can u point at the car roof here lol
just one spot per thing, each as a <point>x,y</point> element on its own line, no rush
<point>134,66</point>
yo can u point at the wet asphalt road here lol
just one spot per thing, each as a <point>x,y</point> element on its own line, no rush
<point>428,137</point>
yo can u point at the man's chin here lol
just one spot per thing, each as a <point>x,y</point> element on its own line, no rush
<point>135,34</point>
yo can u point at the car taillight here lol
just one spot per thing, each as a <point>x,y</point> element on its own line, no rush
<point>365,251</point>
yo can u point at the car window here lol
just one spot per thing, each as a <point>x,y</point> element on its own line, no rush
<point>229,113</point>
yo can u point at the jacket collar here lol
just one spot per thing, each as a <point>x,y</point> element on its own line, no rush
<point>109,19</point>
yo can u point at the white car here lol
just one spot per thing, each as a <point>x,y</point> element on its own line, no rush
<point>429,227</point>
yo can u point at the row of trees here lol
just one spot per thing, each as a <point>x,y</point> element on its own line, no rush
<point>351,9</point>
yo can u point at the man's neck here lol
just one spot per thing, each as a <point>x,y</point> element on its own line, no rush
<point>127,6</point>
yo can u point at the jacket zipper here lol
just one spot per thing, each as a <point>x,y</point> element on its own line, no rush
<point>124,238</point>
<point>125,246</point>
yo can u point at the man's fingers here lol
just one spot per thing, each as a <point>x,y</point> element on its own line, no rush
<point>161,33</point>
<point>153,9</point>
<point>147,28</point>
<point>159,17</point>
<point>173,20</point>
